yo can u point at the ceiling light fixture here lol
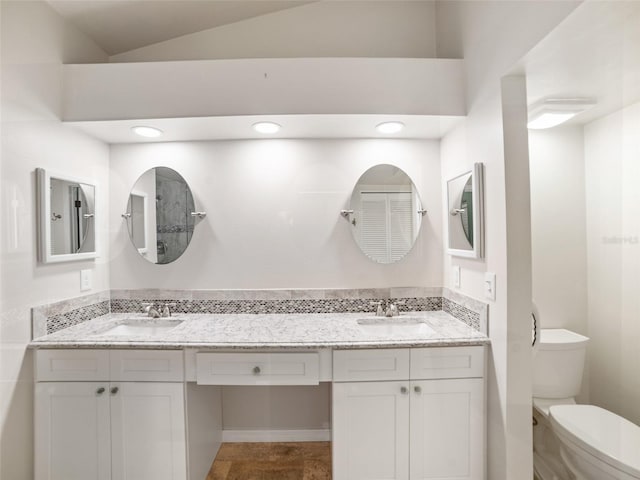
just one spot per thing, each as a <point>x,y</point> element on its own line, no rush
<point>390,127</point>
<point>554,111</point>
<point>266,127</point>
<point>147,132</point>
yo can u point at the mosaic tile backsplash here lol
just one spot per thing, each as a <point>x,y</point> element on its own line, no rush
<point>53,317</point>
<point>274,306</point>
<point>79,315</point>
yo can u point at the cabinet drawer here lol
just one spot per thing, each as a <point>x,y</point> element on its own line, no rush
<point>257,368</point>
<point>365,365</point>
<point>72,365</point>
<point>447,362</point>
<point>147,365</point>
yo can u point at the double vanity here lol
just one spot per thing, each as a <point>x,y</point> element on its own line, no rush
<point>124,396</point>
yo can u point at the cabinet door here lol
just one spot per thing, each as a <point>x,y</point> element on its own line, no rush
<point>447,429</point>
<point>148,431</point>
<point>72,431</point>
<point>370,431</point>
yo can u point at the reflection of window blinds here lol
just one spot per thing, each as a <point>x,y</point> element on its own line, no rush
<point>373,225</point>
<point>386,226</point>
<point>401,222</point>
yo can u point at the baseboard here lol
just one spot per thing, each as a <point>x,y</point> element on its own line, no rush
<point>276,435</point>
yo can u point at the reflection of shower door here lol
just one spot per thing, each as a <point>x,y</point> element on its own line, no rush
<point>174,205</point>
<point>386,224</point>
<point>67,221</point>
<point>77,218</point>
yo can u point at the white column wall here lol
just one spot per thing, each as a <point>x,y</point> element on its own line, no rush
<point>35,42</point>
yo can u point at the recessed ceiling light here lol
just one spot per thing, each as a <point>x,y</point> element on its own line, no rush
<point>266,127</point>
<point>148,132</point>
<point>390,127</point>
<point>554,111</point>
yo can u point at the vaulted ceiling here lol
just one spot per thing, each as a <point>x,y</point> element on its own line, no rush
<point>122,25</point>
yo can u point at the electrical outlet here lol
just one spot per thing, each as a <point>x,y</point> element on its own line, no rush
<point>85,280</point>
<point>490,285</point>
<point>455,272</point>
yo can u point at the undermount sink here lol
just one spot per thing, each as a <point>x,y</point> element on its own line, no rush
<point>394,325</point>
<point>142,327</point>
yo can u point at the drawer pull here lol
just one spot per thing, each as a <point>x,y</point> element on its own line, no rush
<point>256,370</point>
<point>100,391</point>
<point>114,390</point>
<point>417,389</point>
<point>404,390</point>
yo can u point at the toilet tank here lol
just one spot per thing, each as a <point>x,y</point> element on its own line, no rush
<point>558,362</point>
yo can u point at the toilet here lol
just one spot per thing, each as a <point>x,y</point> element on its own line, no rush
<point>581,442</point>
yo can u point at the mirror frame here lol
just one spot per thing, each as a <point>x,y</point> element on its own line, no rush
<point>151,220</point>
<point>352,215</point>
<point>43,188</point>
<point>477,184</point>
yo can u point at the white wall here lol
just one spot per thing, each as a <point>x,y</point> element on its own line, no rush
<point>612,149</point>
<point>273,214</point>
<point>319,29</point>
<point>479,139</point>
<point>492,36</point>
<point>35,42</point>
<point>558,227</point>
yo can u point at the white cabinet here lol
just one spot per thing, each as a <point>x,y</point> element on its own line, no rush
<point>72,431</point>
<point>109,430</point>
<point>370,431</point>
<point>447,429</point>
<point>426,426</point>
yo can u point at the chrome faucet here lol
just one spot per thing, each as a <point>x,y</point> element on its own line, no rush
<point>391,311</point>
<point>166,312</point>
<point>380,311</point>
<point>150,310</point>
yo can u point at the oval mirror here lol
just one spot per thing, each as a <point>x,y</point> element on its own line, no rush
<point>160,215</point>
<point>385,213</point>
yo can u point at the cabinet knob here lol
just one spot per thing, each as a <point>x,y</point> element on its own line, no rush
<point>114,390</point>
<point>417,389</point>
<point>256,370</point>
<point>404,390</point>
<point>100,391</point>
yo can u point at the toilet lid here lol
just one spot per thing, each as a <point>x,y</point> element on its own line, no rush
<point>603,434</point>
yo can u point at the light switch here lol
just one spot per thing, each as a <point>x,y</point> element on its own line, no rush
<point>490,285</point>
<point>455,273</point>
<point>85,280</point>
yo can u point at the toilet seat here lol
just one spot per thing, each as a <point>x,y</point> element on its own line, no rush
<point>603,434</point>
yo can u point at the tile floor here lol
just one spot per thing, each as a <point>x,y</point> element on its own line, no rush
<point>272,461</point>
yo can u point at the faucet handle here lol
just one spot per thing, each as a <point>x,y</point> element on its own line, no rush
<point>146,306</point>
<point>149,309</point>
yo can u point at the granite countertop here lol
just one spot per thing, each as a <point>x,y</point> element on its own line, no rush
<point>268,331</point>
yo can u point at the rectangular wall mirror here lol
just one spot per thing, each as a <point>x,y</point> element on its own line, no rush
<point>465,213</point>
<point>66,217</point>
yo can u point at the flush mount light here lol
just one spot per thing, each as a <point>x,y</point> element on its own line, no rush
<point>390,127</point>
<point>266,127</point>
<point>147,132</point>
<point>554,111</point>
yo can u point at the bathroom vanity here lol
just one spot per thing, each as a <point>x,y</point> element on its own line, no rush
<point>123,397</point>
